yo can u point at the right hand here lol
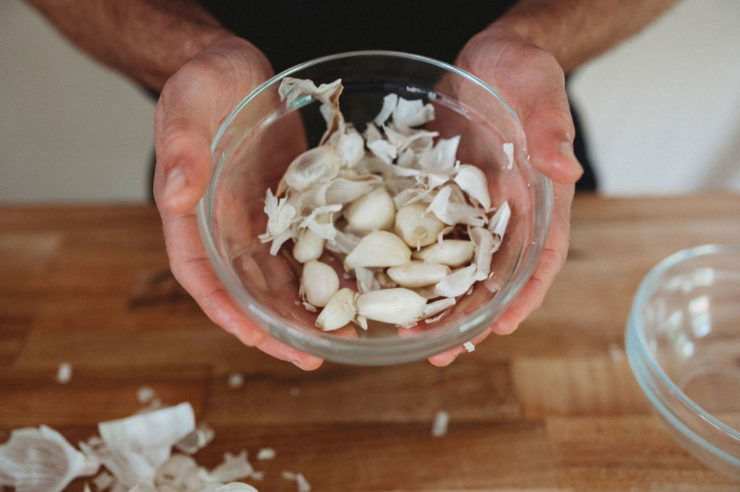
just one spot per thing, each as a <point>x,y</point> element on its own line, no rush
<point>193,103</point>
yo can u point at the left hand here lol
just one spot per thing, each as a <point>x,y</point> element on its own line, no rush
<point>533,83</point>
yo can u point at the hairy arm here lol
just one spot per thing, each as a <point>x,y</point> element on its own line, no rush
<point>147,40</point>
<point>575,31</point>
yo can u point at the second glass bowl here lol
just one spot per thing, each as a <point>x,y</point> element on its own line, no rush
<point>683,344</point>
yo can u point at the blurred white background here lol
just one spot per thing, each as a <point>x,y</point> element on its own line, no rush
<point>662,111</point>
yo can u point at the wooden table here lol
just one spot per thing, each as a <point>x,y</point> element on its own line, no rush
<point>553,406</point>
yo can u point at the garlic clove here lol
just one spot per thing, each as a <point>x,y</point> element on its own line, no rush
<point>339,311</point>
<point>319,282</point>
<point>398,306</point>
<point>370,212</point>
<point>457,283</point>
<point>416,226</point>
<point>418,274</point>
<point>379,249</point>
<point>366,280</point>
<point>344,243</point>
<point>311,167</point>
<point>426,292</point>
<point>484,246</point>
<point>450,252</point>
<point>472,180</point>
<point>308,247</point>
<point>438,306</point>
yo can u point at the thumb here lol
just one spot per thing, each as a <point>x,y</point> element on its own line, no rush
<point>183,164</point>
<point>549,131</point>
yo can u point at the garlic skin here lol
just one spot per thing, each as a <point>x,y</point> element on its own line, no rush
<point>416,226</point>
<point>339,311</point>
<point>308,247</point>
<point>457,283</point>
<point>312,166</point>
<point>371,212</point>
<point>398,306</point>
<point>450,252</point>
<point>437,307</point>
<point>484,247</point>
<point>472,180</point>
<point>350,148</point>
<point>319,283</point>
<point>418,274</point>
<point>379,249</point>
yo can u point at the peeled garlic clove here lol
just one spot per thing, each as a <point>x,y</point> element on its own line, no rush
<point>418,274</point>
<point>379,249</point>
<point>370,212</point>
<point>319,282</point>
<point>416,226</point>
<point>311,167</point>
<point>457,283</point>
<point>338,312</point>
<point>308,247</point>
<point>472,180</point>
<point>366,280</point>
<point>397,306</point>
<point>426,292</point>
<point>450,252</point>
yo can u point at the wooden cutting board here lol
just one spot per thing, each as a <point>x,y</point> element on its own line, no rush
<point>553,406</point>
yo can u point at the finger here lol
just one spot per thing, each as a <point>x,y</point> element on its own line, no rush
<point>549,131</point>
<point>281,351</point>
<point>551,261</point>
<point>183,166</point>
<point>191,268</point>
<point>447,357</point>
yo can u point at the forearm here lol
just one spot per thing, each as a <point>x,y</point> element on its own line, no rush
<point>575,31</point>
<point>147,40</point>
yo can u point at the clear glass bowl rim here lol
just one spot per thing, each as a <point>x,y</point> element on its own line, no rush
<point>639,354</point>
<point>386,350</point>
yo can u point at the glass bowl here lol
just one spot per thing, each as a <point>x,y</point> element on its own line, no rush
<point>260,138</point>
<point>683,344</point>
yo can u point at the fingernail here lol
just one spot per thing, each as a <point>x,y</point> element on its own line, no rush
<point>174,182</point>
<point>298,364</point>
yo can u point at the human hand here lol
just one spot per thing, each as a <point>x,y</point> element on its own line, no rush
<point>193,103</point>
<point>532,82</point>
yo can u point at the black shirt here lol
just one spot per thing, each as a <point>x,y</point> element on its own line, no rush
<point>293,31</point>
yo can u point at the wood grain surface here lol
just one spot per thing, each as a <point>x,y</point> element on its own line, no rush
<point>552,407</point>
